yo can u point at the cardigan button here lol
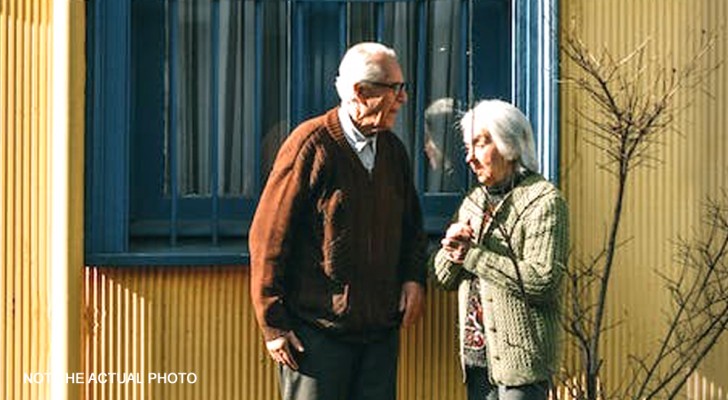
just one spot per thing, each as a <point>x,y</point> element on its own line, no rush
<point>492,329</point>
<point>497,358</point>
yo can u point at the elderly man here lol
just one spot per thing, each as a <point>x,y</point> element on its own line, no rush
<point>337,245</point>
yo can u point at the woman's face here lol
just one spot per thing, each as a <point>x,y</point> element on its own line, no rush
<point>483,157</point>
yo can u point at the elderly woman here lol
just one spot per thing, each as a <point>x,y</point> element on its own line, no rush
<point>506,253</point>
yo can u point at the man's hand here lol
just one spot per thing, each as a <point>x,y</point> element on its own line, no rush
<point>411,302</point>
<point>280,349</point>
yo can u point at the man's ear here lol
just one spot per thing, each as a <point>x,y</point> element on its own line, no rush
<point>359,92</point>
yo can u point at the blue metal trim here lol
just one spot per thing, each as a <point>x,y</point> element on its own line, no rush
<point>535,67</point>
<point>553,89</point>
<point>358,1</point>
<point>93,167</point>
<point>343,28</point>
<point>123,122</point>
<point>420,96</point>
<point>297,64</point>
<point>465,95</point>
<point>108,199</point>
<point>464,54</point>
<point>379,15</point>
<point>214,122</point>
<point>172,123</point>
<point>258,96</point>
<point>172,259</point>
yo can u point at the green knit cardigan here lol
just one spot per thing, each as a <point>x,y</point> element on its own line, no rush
<point>520,257</point>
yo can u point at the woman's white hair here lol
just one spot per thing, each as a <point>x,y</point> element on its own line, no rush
<point>509,128</point>
<point>361,62</point>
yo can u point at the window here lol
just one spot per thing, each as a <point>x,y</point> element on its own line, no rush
<point>188,102</point>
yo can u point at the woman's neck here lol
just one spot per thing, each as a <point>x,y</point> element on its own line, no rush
<point>506,184</point>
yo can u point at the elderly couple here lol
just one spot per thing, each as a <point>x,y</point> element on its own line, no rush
<point>338,249</point>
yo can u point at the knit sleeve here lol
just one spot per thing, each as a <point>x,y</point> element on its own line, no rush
<point>271,232</point>
<point>537,269</point>
<point>446,273</point>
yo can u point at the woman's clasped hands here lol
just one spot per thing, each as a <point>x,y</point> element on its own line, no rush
<point>457,241</point>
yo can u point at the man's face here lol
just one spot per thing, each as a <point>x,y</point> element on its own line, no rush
<point>379,101</point>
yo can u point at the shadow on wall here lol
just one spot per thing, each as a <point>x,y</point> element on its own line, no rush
<point>184,331</point>
<point>198,320</point>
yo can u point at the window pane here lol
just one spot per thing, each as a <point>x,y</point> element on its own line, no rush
<point>400,24</point>
<point>276,90</point>
<point>217,85</point>
<point>211,104</point>
<point>210,86</point>
<point>189,74</point>
<point>397,24</point>
<point>444,170</point>
<point>236,95</point>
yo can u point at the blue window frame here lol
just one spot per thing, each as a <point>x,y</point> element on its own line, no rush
<point>187,103</point>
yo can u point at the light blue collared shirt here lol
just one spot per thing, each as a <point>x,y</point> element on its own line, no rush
<point>364,146</point>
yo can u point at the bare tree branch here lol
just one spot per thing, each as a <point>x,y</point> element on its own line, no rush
<point>632,107</point>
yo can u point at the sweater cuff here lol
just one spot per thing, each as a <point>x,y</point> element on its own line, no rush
<point>446,272</point>
<point>270,333</point>
<point>473,258</point>
<point>275,322</point>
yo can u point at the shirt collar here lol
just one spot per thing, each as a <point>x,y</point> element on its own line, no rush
<point>356,139</point>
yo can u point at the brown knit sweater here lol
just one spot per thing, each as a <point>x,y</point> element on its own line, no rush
<point>331,245</point>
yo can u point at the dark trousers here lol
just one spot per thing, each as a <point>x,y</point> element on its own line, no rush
<point>480,388</point>
<point>330,369</point>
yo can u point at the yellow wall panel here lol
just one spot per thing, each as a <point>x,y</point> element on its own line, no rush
<point>169,320</point>
<point>24,115</point>
<point>199,320</point>
<point>664,201</point>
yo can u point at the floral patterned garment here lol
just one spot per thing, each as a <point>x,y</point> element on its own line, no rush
<point>474,340</point>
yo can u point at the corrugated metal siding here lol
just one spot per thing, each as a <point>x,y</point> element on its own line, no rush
<point>199,320</point>
<point>429,367</point>
<point>174,320</point>
<point>24,126</point>
<point>664,201</point>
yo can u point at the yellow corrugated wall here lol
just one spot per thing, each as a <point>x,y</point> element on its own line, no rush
<point>199,320</point>
<point>26,60</point>
<point>24,140</point>
<point>174,319</point>
<point>664,201</point>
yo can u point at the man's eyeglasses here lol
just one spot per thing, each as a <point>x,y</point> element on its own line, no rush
<point>396,86</point>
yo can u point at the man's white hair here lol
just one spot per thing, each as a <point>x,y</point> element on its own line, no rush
<point>509,128</point>
<point>362,62</point>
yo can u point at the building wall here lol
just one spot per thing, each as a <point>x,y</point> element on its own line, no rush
<point>199,320</point>
<point>24,148</point>
<point>664,201</point>
<point>172,319</point>
<point>28,131</point>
